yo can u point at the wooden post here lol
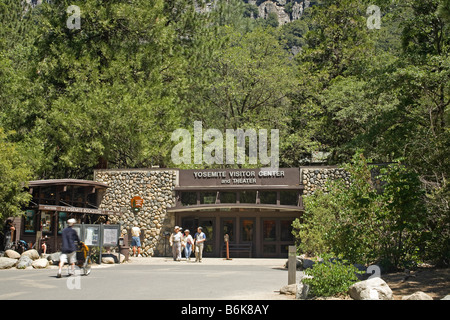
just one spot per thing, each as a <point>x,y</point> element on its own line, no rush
<point>226,238</point>
<point>292,269</point>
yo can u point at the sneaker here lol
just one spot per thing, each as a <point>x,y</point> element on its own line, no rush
<point>58,275</point>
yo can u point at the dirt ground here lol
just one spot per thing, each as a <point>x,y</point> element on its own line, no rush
<point>432,281</point>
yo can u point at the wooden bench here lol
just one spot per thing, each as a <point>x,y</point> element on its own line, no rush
<point>236,248</point>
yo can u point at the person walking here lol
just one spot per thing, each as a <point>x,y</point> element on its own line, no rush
<point>136,241</point>
<point>175,242</point>
<point>69,248</point>
<point>200,239</point>
<point>188,244</point>
<point>8,231</point>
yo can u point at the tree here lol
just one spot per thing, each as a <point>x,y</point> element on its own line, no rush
<point>367,222</point>
<point>335,58</point>
<point>243,82</point>
<point>15,174</point>
<point>107,89</point>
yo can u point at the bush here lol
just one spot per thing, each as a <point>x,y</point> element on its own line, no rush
<point>331,277</point>
<point>369,222</point>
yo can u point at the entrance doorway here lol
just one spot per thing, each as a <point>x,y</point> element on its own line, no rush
<point>207,224</point>
<point>270,233</point>
<point>276,236</point>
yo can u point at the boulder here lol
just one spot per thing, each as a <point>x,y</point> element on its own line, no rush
<point>289,289</point>
<point>12,254</point>
<point>54,257</point>
<point>302,291</point>
<point>298,264</point>
<point>371,289</point>
<point>6,263</point>
<point>40,264</point>
<point>419,295</point>
<point>32,253</point>
<point>108,260</point>
<point>24,262</point>
<point>307,263</point>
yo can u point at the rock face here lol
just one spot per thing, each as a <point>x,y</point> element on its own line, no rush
<point>286,10</point>
<point>155,187</point>
<point>279,7</point>
<point>371,289</point>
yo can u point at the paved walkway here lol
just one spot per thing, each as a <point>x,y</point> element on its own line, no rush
<point>157,278</point>
<point>279,262</point>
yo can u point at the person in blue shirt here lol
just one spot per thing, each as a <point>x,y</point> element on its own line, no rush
<point>69,247</point>
<point>199,239</point>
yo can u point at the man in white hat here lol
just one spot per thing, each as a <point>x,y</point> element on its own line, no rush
<point>175,242</point>
<point>69,248</point>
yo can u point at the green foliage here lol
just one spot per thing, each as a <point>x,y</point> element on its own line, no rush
<point>312,231</point>
<point>330,277</point>
<point>14,173</point>
<point>363,223</point>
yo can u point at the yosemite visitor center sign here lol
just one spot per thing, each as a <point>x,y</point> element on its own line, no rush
<point>282,176</point>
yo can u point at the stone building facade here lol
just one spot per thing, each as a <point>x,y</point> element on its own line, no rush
<point>158,189</point>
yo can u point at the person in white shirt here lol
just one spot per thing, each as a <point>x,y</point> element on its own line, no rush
<point>188,243</point>
<point>136,240</point>
<point>175,242</point>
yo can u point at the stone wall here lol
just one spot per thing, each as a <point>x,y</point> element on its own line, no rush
<point>314,178</point>
<point>155,187</point>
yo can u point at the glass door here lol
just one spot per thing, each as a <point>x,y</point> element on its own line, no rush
<point>208,229</point>
<point>247,232</point>
<point>228,226</point>
<point>277,237</point>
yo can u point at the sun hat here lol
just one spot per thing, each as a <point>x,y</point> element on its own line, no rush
<point>71,222</point>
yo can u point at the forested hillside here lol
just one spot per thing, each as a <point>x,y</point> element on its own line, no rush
<point>111,92</point>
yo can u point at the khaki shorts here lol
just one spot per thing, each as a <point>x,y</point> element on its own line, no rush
<point>72,257</point>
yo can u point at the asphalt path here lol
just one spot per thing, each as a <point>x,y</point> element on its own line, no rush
<point>153,279</point>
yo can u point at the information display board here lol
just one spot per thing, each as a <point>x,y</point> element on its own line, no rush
<point>92,235</point>
<point>98,235</point>
<point>111,235</point>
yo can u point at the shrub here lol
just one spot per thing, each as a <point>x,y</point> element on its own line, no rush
<point>331,277</point>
